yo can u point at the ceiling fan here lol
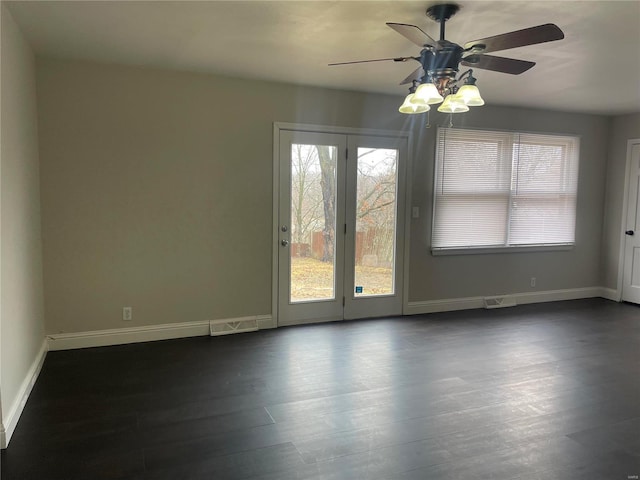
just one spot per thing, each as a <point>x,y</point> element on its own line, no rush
<point>440,60</point>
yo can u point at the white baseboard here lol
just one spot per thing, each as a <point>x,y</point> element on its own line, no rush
<point>148,333</point>
<point>120,336</point>
<point>468,303</point>
<point>447,305</point>
<point>8,426</point>
<point>610,294</point>
<point>557,295</point>
<point>266,322</point>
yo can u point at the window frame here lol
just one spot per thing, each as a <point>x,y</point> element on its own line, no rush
<point>504,248</point>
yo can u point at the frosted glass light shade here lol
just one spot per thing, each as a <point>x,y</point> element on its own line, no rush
<point>427,94</point>
<point>471,96</point>
<point>409,107</point>
<point>453,104</point>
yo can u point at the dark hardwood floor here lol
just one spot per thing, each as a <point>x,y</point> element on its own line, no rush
<point>535,392</point>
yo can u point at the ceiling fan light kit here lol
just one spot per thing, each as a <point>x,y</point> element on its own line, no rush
<point>437,80</point>
<point>409,107</point>
<point>470,94</point>
<point>453,103</point>
<point>428,94</point>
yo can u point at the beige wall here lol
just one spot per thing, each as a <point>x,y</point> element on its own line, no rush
<point>157,192</point>
<point>157,189</point>
<point>21,311</point>
<point>444,277</point>
<point>623,129</point>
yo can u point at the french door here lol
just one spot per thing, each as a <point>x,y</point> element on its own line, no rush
<point>340,218</point>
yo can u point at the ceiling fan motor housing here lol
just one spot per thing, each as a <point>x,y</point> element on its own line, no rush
<point>442,64</point>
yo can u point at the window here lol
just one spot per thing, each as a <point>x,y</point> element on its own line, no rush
<point>504,190</point>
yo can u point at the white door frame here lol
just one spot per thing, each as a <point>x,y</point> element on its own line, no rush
<point>623,219</point>
<point>277,128</point>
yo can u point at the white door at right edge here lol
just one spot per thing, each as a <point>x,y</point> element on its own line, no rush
<point>631,272</point>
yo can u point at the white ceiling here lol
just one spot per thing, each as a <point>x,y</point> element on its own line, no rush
<point>595,69</point>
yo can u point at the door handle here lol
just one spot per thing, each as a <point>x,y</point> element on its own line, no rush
<point>284,243</point>
<point>630,233</point>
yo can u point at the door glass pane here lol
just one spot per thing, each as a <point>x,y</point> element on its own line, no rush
<point>313,222</point>
<point>375,222</point>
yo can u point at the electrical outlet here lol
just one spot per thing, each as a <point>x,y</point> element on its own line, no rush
<point>533,281</point>
<point>415,212</point>
<point>127,313</point>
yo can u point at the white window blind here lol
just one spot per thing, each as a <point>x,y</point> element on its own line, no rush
<point>504,189</point>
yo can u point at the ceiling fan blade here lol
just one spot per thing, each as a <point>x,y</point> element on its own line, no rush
<point>396,59</point>
<point>497,64</point>
<point>417,74</point>
<point>413,33</point>
<point>520,38</point>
